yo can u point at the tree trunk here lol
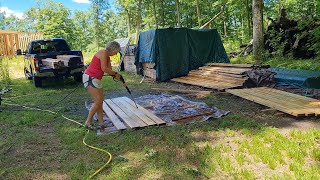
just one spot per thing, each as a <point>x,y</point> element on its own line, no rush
<point>242,30</point>
<point>178,13</point>
<point>224,25</point>
<point>138,22</point>
<point>155,13</point>
<point>257,29</point>
<point>249,18</point>
<point>128,23</point>
<point>198,13</point>
<point>162,14</point>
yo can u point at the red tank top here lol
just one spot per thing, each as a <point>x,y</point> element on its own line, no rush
<point>94,69</point>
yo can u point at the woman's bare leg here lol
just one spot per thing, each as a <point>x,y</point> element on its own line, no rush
<point>97,96</point>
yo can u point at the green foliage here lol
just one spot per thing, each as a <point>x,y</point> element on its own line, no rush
<point>4,73</point>
<point>276,42</point>
<point>54,21</point>
<point>97,8</point>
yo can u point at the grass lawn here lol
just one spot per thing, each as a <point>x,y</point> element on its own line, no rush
<point>246,144</point>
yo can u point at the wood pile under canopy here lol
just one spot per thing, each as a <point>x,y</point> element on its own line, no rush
<point>222,76</point>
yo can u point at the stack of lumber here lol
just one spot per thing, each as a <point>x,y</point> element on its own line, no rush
<point>149,71</point>
<point>289,103</point>
<point>124,114</point>
<point>54,63</point>
<point>218,76</point>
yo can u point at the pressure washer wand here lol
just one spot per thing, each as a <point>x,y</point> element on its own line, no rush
<point>125,85</point>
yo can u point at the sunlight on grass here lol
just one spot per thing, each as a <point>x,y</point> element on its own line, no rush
<point>269,147</point>
<point>14,66</point>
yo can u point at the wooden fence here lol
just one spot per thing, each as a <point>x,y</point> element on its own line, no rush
<point>10,41</point>
<point>26,37</point>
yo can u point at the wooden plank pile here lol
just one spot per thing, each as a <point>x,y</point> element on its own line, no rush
<point>218,76</point>
<point>123,114</point>
<point>149,71</point>
<point>62,61</point>
<point>289,103</point>
<point>54,63</point>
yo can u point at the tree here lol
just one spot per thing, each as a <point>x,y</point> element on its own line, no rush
<point>198,13</point>
<point>82,31</point>
<point>178,13</point>
<point>54,21</point>
<point>257,29</point>
<point>98,9</point>
<point>139,19</point>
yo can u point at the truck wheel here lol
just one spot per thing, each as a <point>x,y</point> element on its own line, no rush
<point>78,77</point>
<point>37,81</point>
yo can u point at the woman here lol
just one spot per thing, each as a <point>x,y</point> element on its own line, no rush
<point>99,65</point>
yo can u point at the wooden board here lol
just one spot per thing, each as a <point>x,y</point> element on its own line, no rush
<point>218,76</point>
<point>130,122</point>
<point>151,73</point>
<point>145,111</point>
<point>231,65</point>
<point>122,112</point>
<point>206,83</point>
<point>133,112</point>
<point>289,103</point>
<point>113,117</point>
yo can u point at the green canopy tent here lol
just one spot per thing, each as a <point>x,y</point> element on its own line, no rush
<point>176,51</point>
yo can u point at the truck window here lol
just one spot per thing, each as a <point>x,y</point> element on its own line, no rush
<point>46,46</point>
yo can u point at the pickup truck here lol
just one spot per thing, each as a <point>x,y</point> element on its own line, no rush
<point>51,58</point>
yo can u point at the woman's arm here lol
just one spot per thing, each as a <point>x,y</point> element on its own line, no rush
<point>107,68</point>
<point>106,64</point>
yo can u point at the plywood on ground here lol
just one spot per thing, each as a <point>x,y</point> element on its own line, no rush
<point>122,112</point>
<point>289,103</point>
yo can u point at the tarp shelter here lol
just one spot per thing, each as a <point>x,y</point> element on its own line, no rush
<point>176,51</point>
<point>302,78</point>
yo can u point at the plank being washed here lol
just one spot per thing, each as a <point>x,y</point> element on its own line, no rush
<point>145,111</point>
<point>113,117</point>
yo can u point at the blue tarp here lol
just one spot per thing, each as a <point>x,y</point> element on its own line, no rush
<point>303,78</point>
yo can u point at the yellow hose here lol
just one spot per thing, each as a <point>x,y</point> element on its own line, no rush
<point>98,149</point>
<point>84,138</point>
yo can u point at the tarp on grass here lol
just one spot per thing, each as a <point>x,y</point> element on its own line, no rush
<point>302,78</point>
<point>176,51</point>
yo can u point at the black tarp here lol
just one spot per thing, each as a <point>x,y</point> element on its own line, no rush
<point>176,51</point>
